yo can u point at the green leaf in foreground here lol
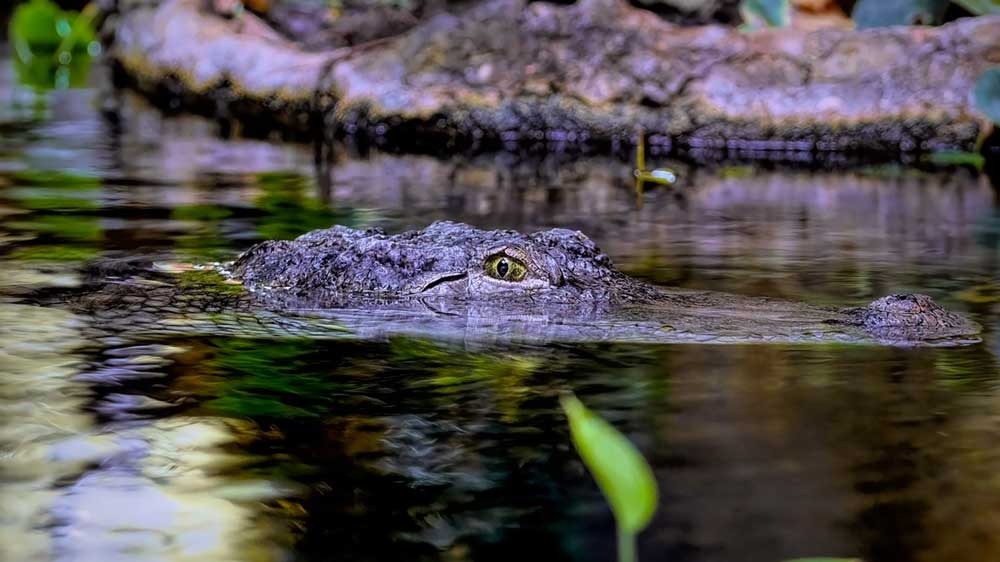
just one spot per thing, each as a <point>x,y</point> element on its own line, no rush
<point>883,13</point>
<point>986,94</point>
<point>773,13</point>
<point>619,469</point>
<point>980,7</point>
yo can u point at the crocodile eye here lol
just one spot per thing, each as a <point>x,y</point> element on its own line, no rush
<point>505,268</point>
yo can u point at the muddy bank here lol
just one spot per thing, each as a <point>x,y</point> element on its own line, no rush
<point>504,73</point>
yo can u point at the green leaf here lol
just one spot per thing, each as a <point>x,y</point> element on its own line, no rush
<point>618,467</point>
<point>773,13</point>
<point>53,47</point>
<point>980,7</point>
<point>37,24</point>
<point>986,94</point>
<point>883,13</point>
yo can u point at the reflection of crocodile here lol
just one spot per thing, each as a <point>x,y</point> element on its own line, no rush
<point>454,281</point>
<point>555,284</point>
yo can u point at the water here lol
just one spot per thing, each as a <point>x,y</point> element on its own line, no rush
<point>212,448</point>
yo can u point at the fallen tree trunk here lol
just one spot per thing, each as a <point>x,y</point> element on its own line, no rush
<point>584,75</point>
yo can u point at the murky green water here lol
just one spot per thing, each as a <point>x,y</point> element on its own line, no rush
<point>209,448</point>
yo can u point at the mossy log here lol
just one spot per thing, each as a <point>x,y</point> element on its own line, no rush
<point>581,76</point>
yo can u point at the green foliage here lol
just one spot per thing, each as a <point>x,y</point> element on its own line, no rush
<point>53,47</point>
<point>619,469</point>
<point>765,13</point>
<point>882,13</point>
<point>986,94</point>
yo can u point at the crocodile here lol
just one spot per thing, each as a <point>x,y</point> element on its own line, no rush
<point>554,284</point>
<point>454,281</point>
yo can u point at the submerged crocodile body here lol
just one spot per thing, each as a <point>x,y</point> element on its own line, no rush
<point>451,278</point>
<point>457,282</point>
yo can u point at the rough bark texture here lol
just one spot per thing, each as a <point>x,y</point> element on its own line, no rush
<point>583,75</point>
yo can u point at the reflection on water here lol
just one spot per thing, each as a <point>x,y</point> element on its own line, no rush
<point>202,447</point>
<point>106,480</point>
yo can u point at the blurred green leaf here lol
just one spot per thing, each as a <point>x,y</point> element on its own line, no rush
<point>772,13</point>
<point>38,24</point>
<point>53,47</point>
<point>986,94</point>
<point>883,13</point>
<point>980,7</point>
<point>44,28</point>
<point>619,469</point>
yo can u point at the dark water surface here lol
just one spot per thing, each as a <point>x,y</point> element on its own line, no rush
<point>223,448</point>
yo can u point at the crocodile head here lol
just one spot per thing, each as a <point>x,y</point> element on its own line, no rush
<point>444,262</point>
<point>914,317</point>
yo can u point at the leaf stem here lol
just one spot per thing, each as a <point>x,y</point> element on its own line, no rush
<point>626,546</point>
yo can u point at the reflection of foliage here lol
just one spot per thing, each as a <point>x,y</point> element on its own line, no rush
<point>53,47</point>
<point>961,369</point>
<point>288,210</point>
<point>68,227</point>
<point>42,190</point>
<point>957,158</point>
<point>54,252</point>
<point>980,294</point>
<point>200,212</point>
<point>451,370</point>
<point>204,240</point>
<point>81,234</point>
<point>276,379</point>
<point>56,199</point>
<point>54,179</point>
